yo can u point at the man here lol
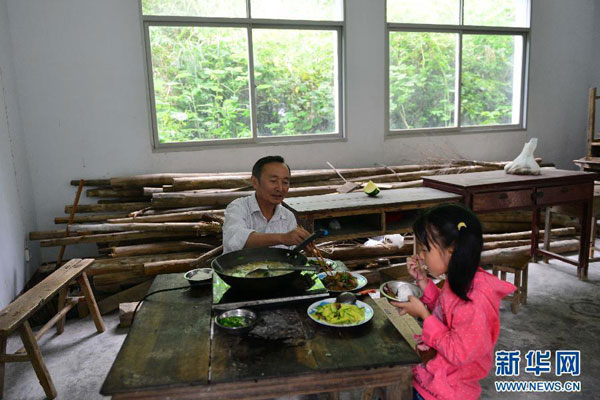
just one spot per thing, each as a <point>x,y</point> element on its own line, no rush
<point>260,220</point>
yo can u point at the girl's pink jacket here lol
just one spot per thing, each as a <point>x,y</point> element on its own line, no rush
<point>464,341</point>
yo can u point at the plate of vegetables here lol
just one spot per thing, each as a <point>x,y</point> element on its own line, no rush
<point>340,315</point>
<point>342,281</point>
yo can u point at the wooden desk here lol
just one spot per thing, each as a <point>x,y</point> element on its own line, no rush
<point>392,211</point>
<point>497,191</point>
<point>172,350</point>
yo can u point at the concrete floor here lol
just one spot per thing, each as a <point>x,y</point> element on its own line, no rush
<point>562,313</point>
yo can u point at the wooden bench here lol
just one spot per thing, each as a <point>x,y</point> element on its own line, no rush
<point>15,317</point>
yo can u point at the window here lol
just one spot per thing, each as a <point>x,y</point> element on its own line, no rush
<point>243,71</point>
<point>456,65</point>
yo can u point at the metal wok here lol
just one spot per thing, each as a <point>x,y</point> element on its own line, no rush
<point>225,264</point>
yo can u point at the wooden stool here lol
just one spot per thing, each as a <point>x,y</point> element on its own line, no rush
<point>15,317</point>
<point>520,271</point>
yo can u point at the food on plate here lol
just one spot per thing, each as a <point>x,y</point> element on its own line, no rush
<point>371,189</point>
<point>340,281</point>
<point>234,321</point>
<point>259,269</point>
<point>340,313</point>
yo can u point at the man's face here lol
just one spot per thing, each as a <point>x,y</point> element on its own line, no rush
<point>274,183</point>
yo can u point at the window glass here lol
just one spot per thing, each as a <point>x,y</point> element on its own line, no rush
<point>491,79</point>
<point>422,79</point>
<point>195,8</point>
<point>296,81</point>
<point>496,13</point>
<point>315,10</point>
<point>200,78</point>
<point>423,11</point>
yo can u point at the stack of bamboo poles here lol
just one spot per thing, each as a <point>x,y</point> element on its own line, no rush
<point>164,223</point>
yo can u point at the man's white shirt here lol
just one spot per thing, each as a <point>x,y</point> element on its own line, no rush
<point>243,216</point>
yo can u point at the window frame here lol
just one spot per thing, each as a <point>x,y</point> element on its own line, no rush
<point>250,24</point>
<point>460,30</point>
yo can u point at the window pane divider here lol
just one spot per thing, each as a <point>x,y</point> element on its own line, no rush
<point>252,88</point>
<point>173,20</point>
<point>492,30</point>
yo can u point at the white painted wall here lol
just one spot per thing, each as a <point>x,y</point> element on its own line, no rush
<point>83,94</point>
<point>17,215</point>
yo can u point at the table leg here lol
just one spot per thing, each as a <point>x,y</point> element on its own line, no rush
<point>534,234</point>
<point>584,247</point>
<point>547,232</point>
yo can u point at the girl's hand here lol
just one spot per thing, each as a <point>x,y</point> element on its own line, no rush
<point>415,268</point>
<point>414,307</point>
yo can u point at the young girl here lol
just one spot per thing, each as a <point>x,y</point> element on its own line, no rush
<point>461,320</point>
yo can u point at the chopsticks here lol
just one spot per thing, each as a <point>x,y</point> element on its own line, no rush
<point>317,254</point>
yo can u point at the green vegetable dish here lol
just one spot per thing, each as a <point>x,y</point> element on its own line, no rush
<point>340,313</point>
<point>234,322</point>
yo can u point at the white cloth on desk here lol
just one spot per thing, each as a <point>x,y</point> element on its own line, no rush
<point>243,216</point>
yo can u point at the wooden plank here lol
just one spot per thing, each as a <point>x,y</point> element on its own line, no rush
<point>135,294</point>
<point>112,237</point>
<point>28,303</point>
<point>90,218</point>
<point>172,332</point>
<point>133,263</point>
<point>173,227</point>
<point>349,201</point>
<point>405,324</point>
<point>88,208</point>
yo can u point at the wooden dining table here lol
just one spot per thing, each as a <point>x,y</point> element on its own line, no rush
<point>174,350</point>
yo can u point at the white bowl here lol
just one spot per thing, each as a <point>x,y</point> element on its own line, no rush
<point>399,290</point>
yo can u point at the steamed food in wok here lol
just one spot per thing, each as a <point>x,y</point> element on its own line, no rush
<point>260,269</point>
<point>340,313</point>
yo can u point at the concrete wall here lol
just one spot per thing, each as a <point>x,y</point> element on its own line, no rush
<point>80,79</point>
<point>17,215</point>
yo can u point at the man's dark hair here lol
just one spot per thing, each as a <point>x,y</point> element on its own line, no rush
<point>258,166</point>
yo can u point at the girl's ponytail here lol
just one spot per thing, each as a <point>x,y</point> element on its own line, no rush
<point>466,255</point>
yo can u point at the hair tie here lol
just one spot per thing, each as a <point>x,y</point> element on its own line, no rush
<point>461,225</point>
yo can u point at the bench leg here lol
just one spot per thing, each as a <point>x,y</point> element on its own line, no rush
<point>91,302</point>
<point>524,276</point>
<point>62,299</point>
<point>517,296</point>
<point>3,340</point>
<point>33,351</point>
